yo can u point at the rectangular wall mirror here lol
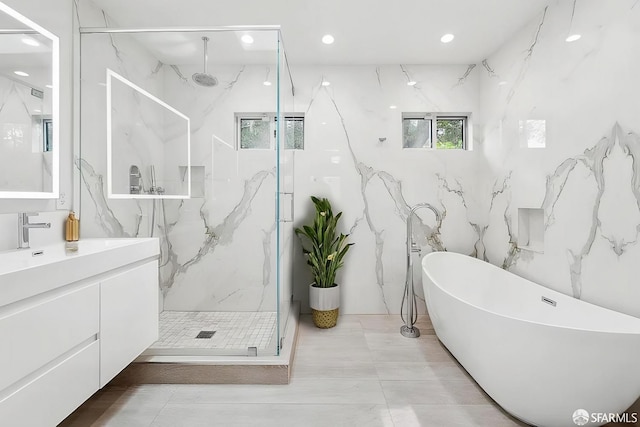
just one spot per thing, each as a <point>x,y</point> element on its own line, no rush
<point>29,117</point>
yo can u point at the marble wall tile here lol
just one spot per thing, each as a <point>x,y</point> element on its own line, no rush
<point>536,85</point>
<point>353,155</point>
<point>586,177</point>
<point>218,249</point>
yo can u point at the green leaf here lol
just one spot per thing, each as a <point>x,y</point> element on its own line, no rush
<point>322,242</point>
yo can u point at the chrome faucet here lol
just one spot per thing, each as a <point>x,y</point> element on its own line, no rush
<point>412,246</point>
<point>409,297</point>
<point>23,228</point>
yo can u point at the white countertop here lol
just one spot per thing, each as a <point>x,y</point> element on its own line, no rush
<point>23,274</point>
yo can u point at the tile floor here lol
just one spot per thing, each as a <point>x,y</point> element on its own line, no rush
<point>360,373</point>
<point>234,330</point>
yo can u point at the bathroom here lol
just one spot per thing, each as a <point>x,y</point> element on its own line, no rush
<point>546,185</point>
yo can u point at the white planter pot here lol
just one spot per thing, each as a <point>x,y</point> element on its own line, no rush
<point>324,299</point>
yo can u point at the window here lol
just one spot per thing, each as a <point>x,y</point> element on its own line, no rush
<point>449,131</point>
<point>255,133</point>
<point>258,131</point>
<point>294,132</point>
<point>416,132</point>
<point>533,133</point>
<point>47,134</point>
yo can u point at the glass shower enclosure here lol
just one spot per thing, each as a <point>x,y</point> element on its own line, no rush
<point>182,137</point>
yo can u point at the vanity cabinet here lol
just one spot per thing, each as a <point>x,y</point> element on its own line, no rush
<point>128,318</point>
<point>61,345</point>
<point>51,356</point>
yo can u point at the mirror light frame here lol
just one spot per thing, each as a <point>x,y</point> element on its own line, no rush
<point>55,112</point>
<point>110,194</point>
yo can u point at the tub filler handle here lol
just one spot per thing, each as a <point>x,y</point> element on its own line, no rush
<point>548,301</point>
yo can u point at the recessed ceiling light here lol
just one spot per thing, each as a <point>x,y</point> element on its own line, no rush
<point>327,39</point>
<point>326,83</point>
<point>447,38</point>
<point>324,123</point>
<point>573,37</point>
<point>37,111</point>
<point>21,73</point>
<point>50,86</point>
<point>502,83</point>
<point>411,83</point>
<point>30,42</point>
<point>246,39</point>
<point>267,83</point>
<point>393,107</point>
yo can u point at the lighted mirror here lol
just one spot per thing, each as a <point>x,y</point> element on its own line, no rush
<point>29,118</point>
<point>148,144</point>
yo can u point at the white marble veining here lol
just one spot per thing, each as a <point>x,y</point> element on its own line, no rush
<point>203,239</point>
<point>232,218</point>
<point>354,156</point>
<point>586,177</point>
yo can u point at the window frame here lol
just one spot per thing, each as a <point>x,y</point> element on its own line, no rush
<point>433,118</point>
<point>272,128</point>
<point>47,134</point>
<point>239,117</point>
<point>294,117</point>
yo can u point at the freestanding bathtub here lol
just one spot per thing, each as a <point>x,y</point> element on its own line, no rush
<point>540,354</point>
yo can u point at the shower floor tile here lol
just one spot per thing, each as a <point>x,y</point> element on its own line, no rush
<point>233,330</point>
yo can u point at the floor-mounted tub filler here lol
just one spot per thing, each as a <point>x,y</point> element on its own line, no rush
<point>540,354</point>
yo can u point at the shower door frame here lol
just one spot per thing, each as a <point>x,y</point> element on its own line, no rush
<point>281,318</point>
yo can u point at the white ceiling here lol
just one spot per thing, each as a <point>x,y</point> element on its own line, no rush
<point>16,55</point>
<point>366,31</point>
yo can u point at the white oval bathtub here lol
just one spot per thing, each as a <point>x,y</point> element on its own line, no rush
<point>540,362</point>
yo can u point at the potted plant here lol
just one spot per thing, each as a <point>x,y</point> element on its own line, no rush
<point>324,251</point>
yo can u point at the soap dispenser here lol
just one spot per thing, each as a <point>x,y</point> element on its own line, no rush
<point>72,232</point>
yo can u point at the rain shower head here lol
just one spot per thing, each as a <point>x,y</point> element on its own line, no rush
<point>205,79</point>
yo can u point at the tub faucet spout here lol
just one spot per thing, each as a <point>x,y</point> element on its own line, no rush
<point>23,228</point>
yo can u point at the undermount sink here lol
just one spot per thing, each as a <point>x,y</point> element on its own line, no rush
<point>22,270</point>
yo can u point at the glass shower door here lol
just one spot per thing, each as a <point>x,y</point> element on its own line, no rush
<point>220,233</point>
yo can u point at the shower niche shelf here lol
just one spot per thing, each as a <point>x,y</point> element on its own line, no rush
<point>197,180</point>
<point>531,229</point>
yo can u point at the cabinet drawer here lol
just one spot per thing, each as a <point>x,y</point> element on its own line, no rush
<point>49,398</point>
<point>43,330</point>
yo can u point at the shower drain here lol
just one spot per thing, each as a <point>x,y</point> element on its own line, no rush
<point>205,334</point>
